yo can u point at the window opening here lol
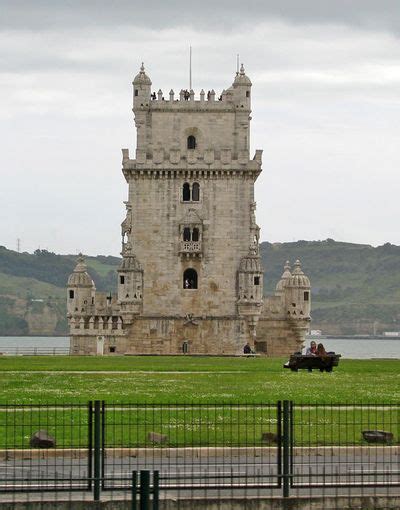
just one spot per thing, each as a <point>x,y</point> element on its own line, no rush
<point>186,234</point>
<point>306,296</point>
<point>247,93</point>
<point>71,294</point>
<point>122,279</point>
<point>256,280</point>
<point>190,279</point>
<point>196,192</point>
<point>136,92</point>
<point>186,192</point>
<point>195,235</point>
<point>112,348</point>
<point>185,347</point>
<point>191,142</point>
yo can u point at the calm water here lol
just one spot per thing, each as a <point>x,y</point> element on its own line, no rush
<point>348,348</point>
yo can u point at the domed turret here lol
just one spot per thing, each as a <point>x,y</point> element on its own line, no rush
<point>130,278</point>
<point>81,289</point>
<point>242,88</point>
<point>280,286</point>
<point>241,78</point>
<point>297,293</point>
<point>141,88</point>
<point>141,78</point>
<point>250,279</point>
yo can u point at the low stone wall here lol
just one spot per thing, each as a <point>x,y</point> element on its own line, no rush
<point>293,503</point>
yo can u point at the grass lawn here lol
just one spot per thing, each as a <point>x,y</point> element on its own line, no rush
<point>155,379</point>
<point>226,384</point>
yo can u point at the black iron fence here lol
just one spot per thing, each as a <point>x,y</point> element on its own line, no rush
<point>199,449</point>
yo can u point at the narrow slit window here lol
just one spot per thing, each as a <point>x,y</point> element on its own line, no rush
<point>136,92</point>
<point>191,142</point>
<point>71,294</point>
<point>186,192</point>
<point>186,234</point>
<point>306,296</point>
<point>195,235</point>
<point>196,192</point>
<point>122,279</point>
<point>256,280</point>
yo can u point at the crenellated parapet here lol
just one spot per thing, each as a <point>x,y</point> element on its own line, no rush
<point>96,325</point>
<point>174,163</point>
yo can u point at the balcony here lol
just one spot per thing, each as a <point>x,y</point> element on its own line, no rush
<point>190,249</point>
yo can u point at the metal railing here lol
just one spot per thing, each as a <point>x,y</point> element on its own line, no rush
<point>35,351</point>
<point>200,449</point>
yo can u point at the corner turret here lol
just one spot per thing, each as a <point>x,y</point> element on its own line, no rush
<point>141,89</point>
<point>80,289</point>
<point>242,89</point>
<point>130,282</point>
<point>298,294</point>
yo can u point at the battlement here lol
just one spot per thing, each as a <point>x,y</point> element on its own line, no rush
<point>224,160</point>
<point>96,325</point>
<point>186,101</point>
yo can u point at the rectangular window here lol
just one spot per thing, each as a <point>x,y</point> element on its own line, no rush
<point>256,280</point>
<point>136,92</point>
<point>247,93</point>
<point>122,279</point>
<point>306,296</point>
<point>112,348</point>
<point>71,294</point>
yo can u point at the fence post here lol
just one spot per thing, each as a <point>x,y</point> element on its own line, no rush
<point>156,489</point>
<point>97,450</point>
<point>144,490</point>
<point>90,444</point>
<point>134,490</point>
<point>286,448</point>
<point>279,444</point>
<point>103,442</point>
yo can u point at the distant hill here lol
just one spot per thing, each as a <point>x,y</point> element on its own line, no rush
<point>355,287</point>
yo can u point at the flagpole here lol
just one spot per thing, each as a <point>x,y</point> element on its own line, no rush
<point>190,68</point>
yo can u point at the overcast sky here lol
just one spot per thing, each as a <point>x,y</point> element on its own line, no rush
<point>326,111</point>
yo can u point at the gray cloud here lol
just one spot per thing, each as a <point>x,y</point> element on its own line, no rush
<point>221,15</point>
<point>326,105</point>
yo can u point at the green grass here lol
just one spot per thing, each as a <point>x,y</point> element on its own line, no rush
<point>192,379</point>
<point>219,388</point>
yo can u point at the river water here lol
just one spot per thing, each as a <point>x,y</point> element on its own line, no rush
<point>348,348</point>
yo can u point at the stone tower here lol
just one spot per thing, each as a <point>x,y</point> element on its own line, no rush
<point>191,278</point>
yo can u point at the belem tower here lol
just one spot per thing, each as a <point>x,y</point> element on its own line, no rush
<point>191,279</point>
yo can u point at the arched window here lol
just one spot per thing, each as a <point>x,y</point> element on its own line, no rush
<point>191,142</point>
<point>190,279</point>
<point>186,234</point>
<point>186,192</point>
<point>196,192</point>
<point>195,235</point>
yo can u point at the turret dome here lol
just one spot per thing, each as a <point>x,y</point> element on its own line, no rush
<point>298,278</point>
<point>130,263</point>
<point>241,78</point>
<point>284,278</point>
<point>142,78</point>
<point>80,277</point>
<point>250,264</point>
